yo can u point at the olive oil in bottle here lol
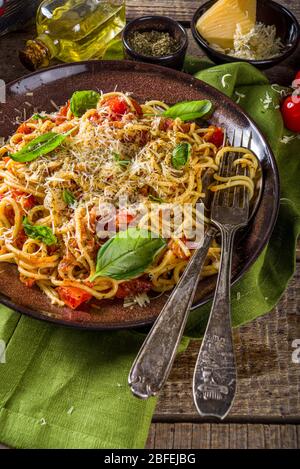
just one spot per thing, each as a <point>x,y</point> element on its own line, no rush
<point>73,30</point>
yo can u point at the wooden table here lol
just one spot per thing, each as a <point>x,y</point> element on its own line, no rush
<point>266,412</point>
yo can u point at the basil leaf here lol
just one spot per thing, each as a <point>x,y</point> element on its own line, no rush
<point>68,197</point>
<point>39,146</point>
<point>42,233</point>
<point>121,162</point>
<point>180,155</point>
<point>128,254</point>
<point>36,117</point>
<point>189,110</point>
<point>81,101</point>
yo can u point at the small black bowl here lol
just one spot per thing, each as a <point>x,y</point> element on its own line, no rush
<point>269,13</point>
<point>157,23</point>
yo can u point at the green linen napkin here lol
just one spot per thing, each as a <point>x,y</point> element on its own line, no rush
<point>63,388</point>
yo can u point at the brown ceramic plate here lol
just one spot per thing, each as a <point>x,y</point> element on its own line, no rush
<point>146,82</point>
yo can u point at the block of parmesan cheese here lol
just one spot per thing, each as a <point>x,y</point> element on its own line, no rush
<point>218,24</point>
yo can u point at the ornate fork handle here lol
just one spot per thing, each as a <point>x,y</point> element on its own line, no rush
<point>154,361</point>
<point>214,382</point>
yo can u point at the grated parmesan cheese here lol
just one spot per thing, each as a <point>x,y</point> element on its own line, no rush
<point>142,300</point>
<point>260,43</point>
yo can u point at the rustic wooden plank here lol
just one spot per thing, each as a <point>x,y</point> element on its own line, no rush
<point>255,436</point>
<point>289,437</point>
<point>272,436</point>
<point>268,381</point>
<point>201,436</point>
<point>164,436</point>
<point>238,436</point>
<point>223,436</point>
<point>151,437</point>
<point>181,10</point>
<point>183,436</point>
<point>220,436</point>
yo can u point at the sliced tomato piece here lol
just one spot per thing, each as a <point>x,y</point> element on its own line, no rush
<point>29,282</point>
<point>217,138</point>
<point>117,106</point>
<point>137,107</point>
<point>166,124</point>
<point>24,129</point>
<point>62,114</point>
<point>73,296</point>
<point>133,287</point>
<point>20,239</point>
<point>27,201</point>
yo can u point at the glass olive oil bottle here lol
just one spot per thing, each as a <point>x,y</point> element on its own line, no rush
<point>73,30</point>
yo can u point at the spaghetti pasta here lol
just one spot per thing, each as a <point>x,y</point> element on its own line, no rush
<point>119,149</point>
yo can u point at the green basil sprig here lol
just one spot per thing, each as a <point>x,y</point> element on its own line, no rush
<point>68,197</point>
<point>128,254</point>
<point>42,233</point>
<point>39,146</point>
<point>189,110</point>
<point>180,155</point>
<point>81,101</point>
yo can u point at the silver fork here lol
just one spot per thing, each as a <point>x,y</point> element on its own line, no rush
<point>154,361</point>
<point>214,383</point>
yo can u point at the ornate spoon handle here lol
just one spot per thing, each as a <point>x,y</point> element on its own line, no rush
<point>214,382</point>
<point>154,361</point>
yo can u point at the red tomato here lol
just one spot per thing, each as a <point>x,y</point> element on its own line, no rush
<point>166,124</point>
<point>291,114</point>
<point>73,296</point>
<point>62,114</point>
<point>133,287</point>
<point>117,105</point>
<point>297,77</point>
<point>64,109</point>
<point>27,201</point>
<point>24,129</point>
<point>217,137</point>
<point>137,107</point>
<point>20,239</point>
<point>29,282</point>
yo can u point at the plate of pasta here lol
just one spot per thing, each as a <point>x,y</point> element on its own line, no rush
<point>106,171</point>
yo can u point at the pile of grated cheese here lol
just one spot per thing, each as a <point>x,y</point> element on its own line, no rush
<point>260,43</point>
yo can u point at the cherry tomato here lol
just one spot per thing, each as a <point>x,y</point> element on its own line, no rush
<point>297,77</point>
<point>217,137</point>
<point>24,129</point>
<point>27,201</point>
<point>133,287</point>
<point>291,113</point>
<point>62,114</point>
<point>117,105</point>
<point>73,296</point>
